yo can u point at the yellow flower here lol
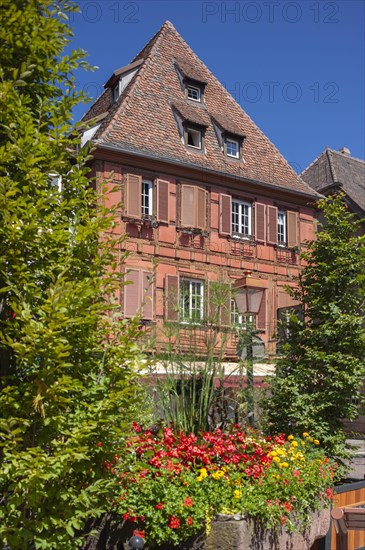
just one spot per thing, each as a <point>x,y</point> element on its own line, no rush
<point>284,465</point>
<point>316,442</point>
<point>294,444</point>
<point>290,437</point>
<point>218,474</point>
<point>237,494</point>
<point>280,452</point>
<point>276,459</point>
<point>305,434</point>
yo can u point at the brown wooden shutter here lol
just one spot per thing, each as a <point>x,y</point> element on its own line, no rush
<point>172,297</point>
<point>187,213</point>
<point>133,195</point>
<point>201,208</point>
<point>162,209</point>
<point>132,293</point>
<point>225,214</point>
<point>283,299</point>
<point>292,222</point>
<point>260,222</point>
<point>147,295</point>
<point>272,225</point>
<point>261,316</point>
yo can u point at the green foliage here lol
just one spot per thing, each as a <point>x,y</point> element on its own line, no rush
<point>319,377</point>
<point>68,383</point>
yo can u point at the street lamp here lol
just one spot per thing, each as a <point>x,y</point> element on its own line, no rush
<point>248,297</point>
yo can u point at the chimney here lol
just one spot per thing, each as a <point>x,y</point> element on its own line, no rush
<point>345,151</point>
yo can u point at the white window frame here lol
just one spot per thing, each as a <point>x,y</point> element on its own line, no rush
<point>231,141</point>
<point>196,133</point>
<point>116,92</point>
<point>194,89</point>
<point>147,197</point>
<point>240,228</point>
<point>282,229</point>
<point>188,308</point>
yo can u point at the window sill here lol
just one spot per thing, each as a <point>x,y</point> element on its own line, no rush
<point>192,231</point>
<point>285,248</point>
<point>147,220</point>
<point>249,239</point>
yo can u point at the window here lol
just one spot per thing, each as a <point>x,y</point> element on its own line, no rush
<point>116,92</point>
<point>241,218</point>
<point>140,195</point>
<point>193,92</point>
<point>238,319</point>
<point>193,138</point>
<point>282,227</point>
<point>233,148</point>
<point>147,202</point>
<point>193,207</point>
<point>191,301</point>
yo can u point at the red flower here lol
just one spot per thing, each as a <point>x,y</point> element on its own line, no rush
<point>136,427</point>
<point>329,492</point>
<point>188,502</point>
<point>288,506</point>
<point>189,521</point>
<point>159,506</point>
<point>296,473</point>
<point>99,444</point>
<point>283,520</point>
<point>138,533</point>
<point>126,516</point>
<point>174,522</point>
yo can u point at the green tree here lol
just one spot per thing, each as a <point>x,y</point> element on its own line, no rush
<point>68,361</point>
<point>319,376</point>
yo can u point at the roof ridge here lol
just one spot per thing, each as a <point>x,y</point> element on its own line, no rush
<point>150,44</point>
<point>109,125</point>
<point>314,161</point>
<point>348,157</point>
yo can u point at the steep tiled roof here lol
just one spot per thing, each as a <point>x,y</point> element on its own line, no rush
<point>142,119</point>
<point>191,112</point>
<point>338,169</point>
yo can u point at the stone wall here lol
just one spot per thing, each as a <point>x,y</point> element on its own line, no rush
<point>227,533</point>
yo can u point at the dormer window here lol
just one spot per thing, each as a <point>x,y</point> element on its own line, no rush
<point>193,137</point>
<point>116,92</point>
<point>233,148</point>
<point>193,92</point>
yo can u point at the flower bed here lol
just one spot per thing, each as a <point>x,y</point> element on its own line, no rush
<point>173,484</point>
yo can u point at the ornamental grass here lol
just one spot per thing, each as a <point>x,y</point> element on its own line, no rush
<point>172,484</point>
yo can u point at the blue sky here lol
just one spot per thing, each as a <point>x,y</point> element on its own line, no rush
<point>296,67</point>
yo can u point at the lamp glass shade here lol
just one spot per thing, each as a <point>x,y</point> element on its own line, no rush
<point>254,297</point>
<point>248,300</point>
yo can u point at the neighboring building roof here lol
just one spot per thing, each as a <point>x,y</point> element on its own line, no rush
<point>338,169</point>
<point>142,120</point>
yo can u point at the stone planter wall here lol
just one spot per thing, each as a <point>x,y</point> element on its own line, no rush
<point>227,533</point>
